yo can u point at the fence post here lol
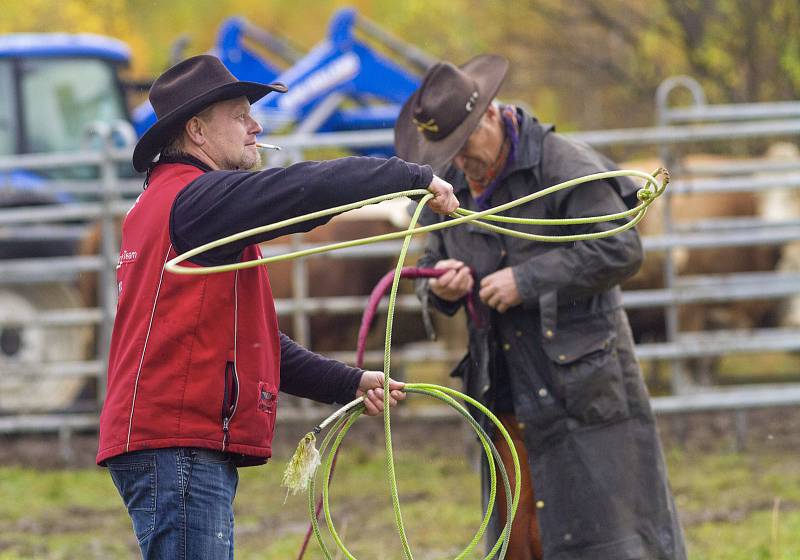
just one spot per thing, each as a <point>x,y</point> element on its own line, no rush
<point>65,444</point>
<point>302,332</point>
<point>302,328</point>
<point>109,251</point>
<point>679,382</point>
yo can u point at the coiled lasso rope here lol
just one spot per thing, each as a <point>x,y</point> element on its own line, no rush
<point>303,466</point>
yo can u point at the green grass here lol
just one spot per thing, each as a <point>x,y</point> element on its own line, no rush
<point>439,495</point>
<point>727,502</point>
<point>748,538</point>
<point>61,514</point>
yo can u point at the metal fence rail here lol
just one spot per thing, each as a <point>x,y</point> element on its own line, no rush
<point>741,121</point>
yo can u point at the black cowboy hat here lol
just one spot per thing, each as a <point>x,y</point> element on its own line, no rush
<point>185,90</point>
<point>438,118</point>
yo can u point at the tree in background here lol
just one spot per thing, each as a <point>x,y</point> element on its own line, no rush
<point>585,64</point>
<point>601,62</point>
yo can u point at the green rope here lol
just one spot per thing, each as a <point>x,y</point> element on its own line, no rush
<point>647,194</point>
<point>343,419</point>
<point>345,422</point>
<point>387,361</point>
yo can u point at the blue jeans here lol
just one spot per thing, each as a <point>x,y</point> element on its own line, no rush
<point>180,500</point>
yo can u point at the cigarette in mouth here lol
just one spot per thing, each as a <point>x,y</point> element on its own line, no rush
<point>268,146</point>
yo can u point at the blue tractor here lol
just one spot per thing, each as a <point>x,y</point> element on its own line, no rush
<point>342,84</point>
<point>51,87</point>
<point>249,52</point>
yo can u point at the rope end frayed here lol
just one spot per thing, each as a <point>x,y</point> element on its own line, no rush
<point>302,465</point>
<point>664,173</point>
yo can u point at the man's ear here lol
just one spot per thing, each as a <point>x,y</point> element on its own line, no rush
<point>195,131</point>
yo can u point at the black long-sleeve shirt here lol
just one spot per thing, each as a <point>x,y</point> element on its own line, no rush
<point>221,203</point>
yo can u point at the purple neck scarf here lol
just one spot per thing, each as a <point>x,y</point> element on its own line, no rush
<point>509,116</point>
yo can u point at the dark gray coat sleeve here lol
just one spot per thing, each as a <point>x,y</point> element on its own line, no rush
<point>584,267</point>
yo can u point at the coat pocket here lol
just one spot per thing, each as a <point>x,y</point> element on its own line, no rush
<point>267,397</point>
<point>134,475</point>
<point>268,403</point>
<point>587,372</point>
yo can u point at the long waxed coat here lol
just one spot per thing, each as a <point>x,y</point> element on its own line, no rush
<point>578,394</point>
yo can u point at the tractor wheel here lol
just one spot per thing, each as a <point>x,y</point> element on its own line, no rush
<point>23,347</point>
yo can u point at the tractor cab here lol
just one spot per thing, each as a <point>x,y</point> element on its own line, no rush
<point>52,86</point>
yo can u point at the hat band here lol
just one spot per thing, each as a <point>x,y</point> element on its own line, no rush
<point>432,131</point>
<point>429,126</point>
<point>471,101</point>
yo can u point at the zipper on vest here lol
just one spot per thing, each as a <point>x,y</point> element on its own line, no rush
<point>226,432</point>
<point>231,376</point>
<point>230,400</point>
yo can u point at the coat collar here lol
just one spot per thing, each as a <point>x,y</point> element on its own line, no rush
<point>184,159</point>
<point>187,159</point>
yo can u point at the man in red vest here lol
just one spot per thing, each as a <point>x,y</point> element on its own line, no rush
<point>197,362</point>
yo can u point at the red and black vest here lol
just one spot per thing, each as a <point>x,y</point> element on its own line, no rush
<point>194,360</point>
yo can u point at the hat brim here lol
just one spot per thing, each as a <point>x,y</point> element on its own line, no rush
<point>488,71</point>
<point>153,140</point>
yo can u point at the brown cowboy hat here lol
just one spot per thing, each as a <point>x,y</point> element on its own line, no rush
<point>438,118</point>
<point>185,90</point>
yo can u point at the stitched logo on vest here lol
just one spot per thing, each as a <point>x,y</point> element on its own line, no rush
<point>126,257</point>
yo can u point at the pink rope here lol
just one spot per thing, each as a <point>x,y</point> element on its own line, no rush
<point>370,311</point>
<point>380,290</point>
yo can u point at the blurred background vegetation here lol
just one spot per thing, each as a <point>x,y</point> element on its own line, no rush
<point>583,64</point>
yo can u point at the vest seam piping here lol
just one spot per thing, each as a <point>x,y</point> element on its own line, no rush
<point>235,315</point>
<point>144,348</point>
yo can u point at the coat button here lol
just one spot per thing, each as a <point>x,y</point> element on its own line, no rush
<point>539,504</point>
<point>521,425</point>
<point>542,392</point>
<point>562,358</point>
<point>548,333</point>
<point>518,333</point>
<point>506,346</point>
